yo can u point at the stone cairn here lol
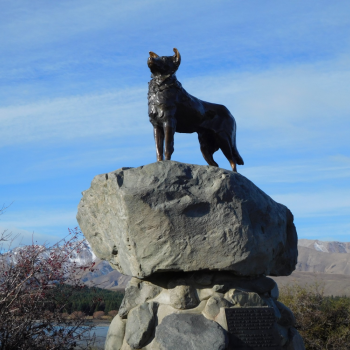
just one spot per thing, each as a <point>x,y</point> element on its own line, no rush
<point>199,242</point>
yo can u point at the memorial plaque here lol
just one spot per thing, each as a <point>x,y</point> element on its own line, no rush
<point>252,328</point>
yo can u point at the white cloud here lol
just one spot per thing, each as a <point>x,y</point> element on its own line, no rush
<point>334,203</point>
<point>42,225</point>
<point>39,23</point>
<point>300,171</point>
<point>326,232</point>
<point>106,159</point>
<point>290,106</point>
<point>75,118</point>
<point>39,218</point>
<point>312,189</point>
<point>293,107</point>
<point>17,237</point>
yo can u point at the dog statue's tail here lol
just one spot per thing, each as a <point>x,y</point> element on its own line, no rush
<point>235,153</point>
<point>240,160</point>
<point>237,156</point>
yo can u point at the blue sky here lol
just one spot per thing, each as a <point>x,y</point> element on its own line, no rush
<point>73,100</point>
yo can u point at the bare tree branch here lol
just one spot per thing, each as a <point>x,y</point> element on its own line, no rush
<point>36,284</point>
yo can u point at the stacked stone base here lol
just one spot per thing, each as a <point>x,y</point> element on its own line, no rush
<point>187,311</point>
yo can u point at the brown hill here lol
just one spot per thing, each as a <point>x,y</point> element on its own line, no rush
<point>327,263</point>
<point>325,246</point>
<point>104,276</point>
<point>310,260</point>
<point>333,284</point>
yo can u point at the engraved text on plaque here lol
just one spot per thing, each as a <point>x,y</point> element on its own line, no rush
<point>252,328</point>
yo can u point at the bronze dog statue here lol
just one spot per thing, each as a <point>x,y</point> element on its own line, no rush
<point>171,108</point>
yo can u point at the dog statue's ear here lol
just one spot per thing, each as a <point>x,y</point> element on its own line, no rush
<point>177,57</point>
<point>153,55</point>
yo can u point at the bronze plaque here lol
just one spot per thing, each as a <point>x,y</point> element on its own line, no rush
<point>252,328</point>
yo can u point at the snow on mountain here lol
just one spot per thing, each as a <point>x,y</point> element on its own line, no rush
<point>326,246</point>
<point>320,247</point>
<point>102,268</point>
<point>81,255</point>
<point>102,276</point>
<point>327,257</point>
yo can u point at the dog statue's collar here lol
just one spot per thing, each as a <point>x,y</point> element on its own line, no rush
<point>160,79</point>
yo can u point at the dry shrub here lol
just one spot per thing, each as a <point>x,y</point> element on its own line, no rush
<point>77,315</point>
<point>323,322</point>
<point>113,313</point>
<point>98,315</point>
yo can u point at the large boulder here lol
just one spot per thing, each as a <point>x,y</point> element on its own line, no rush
<point>186,331</point>
<point>115,335</point>
<point>170,216</point>
<point>137,292</point>
<point>140,325</point>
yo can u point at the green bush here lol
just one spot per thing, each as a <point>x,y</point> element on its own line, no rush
<point>323,322</point>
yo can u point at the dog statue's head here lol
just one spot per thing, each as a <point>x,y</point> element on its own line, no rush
<point>164,65</point>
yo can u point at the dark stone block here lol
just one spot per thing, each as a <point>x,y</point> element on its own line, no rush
<point>177,331</point>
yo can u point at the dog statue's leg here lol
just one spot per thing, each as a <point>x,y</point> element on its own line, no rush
<point>208,147</point>
<point>233,166</point>
<point>226,149</point>
<point>208,157</point>
<point>159,139</point>
<point>169,131</point>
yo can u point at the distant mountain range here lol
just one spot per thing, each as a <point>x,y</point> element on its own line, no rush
<point>325,247</point>
<point>325,262</point>
<point>311,260</point>
<point>81,255</point>
<point>103,275</point>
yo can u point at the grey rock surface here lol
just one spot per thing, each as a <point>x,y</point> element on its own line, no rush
<point>115,335</point>
<point>182,296</point>
<point>259,285</point>
<point>146,306</point>
<point>203,278</point>
<point>242,298</point>
<point>283,334</point>
<point>287,318</point>
<point>137,292</point>
<point>275,293</point>
<point>140,325</point>
<point>188,331</point>
<point>296,341</point>
<point>170,216</point>
<point>213,305</point>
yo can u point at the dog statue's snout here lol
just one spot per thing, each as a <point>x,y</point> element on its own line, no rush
<point>153,55</point>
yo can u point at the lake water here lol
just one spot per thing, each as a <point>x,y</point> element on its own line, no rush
<point>100,331</point>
